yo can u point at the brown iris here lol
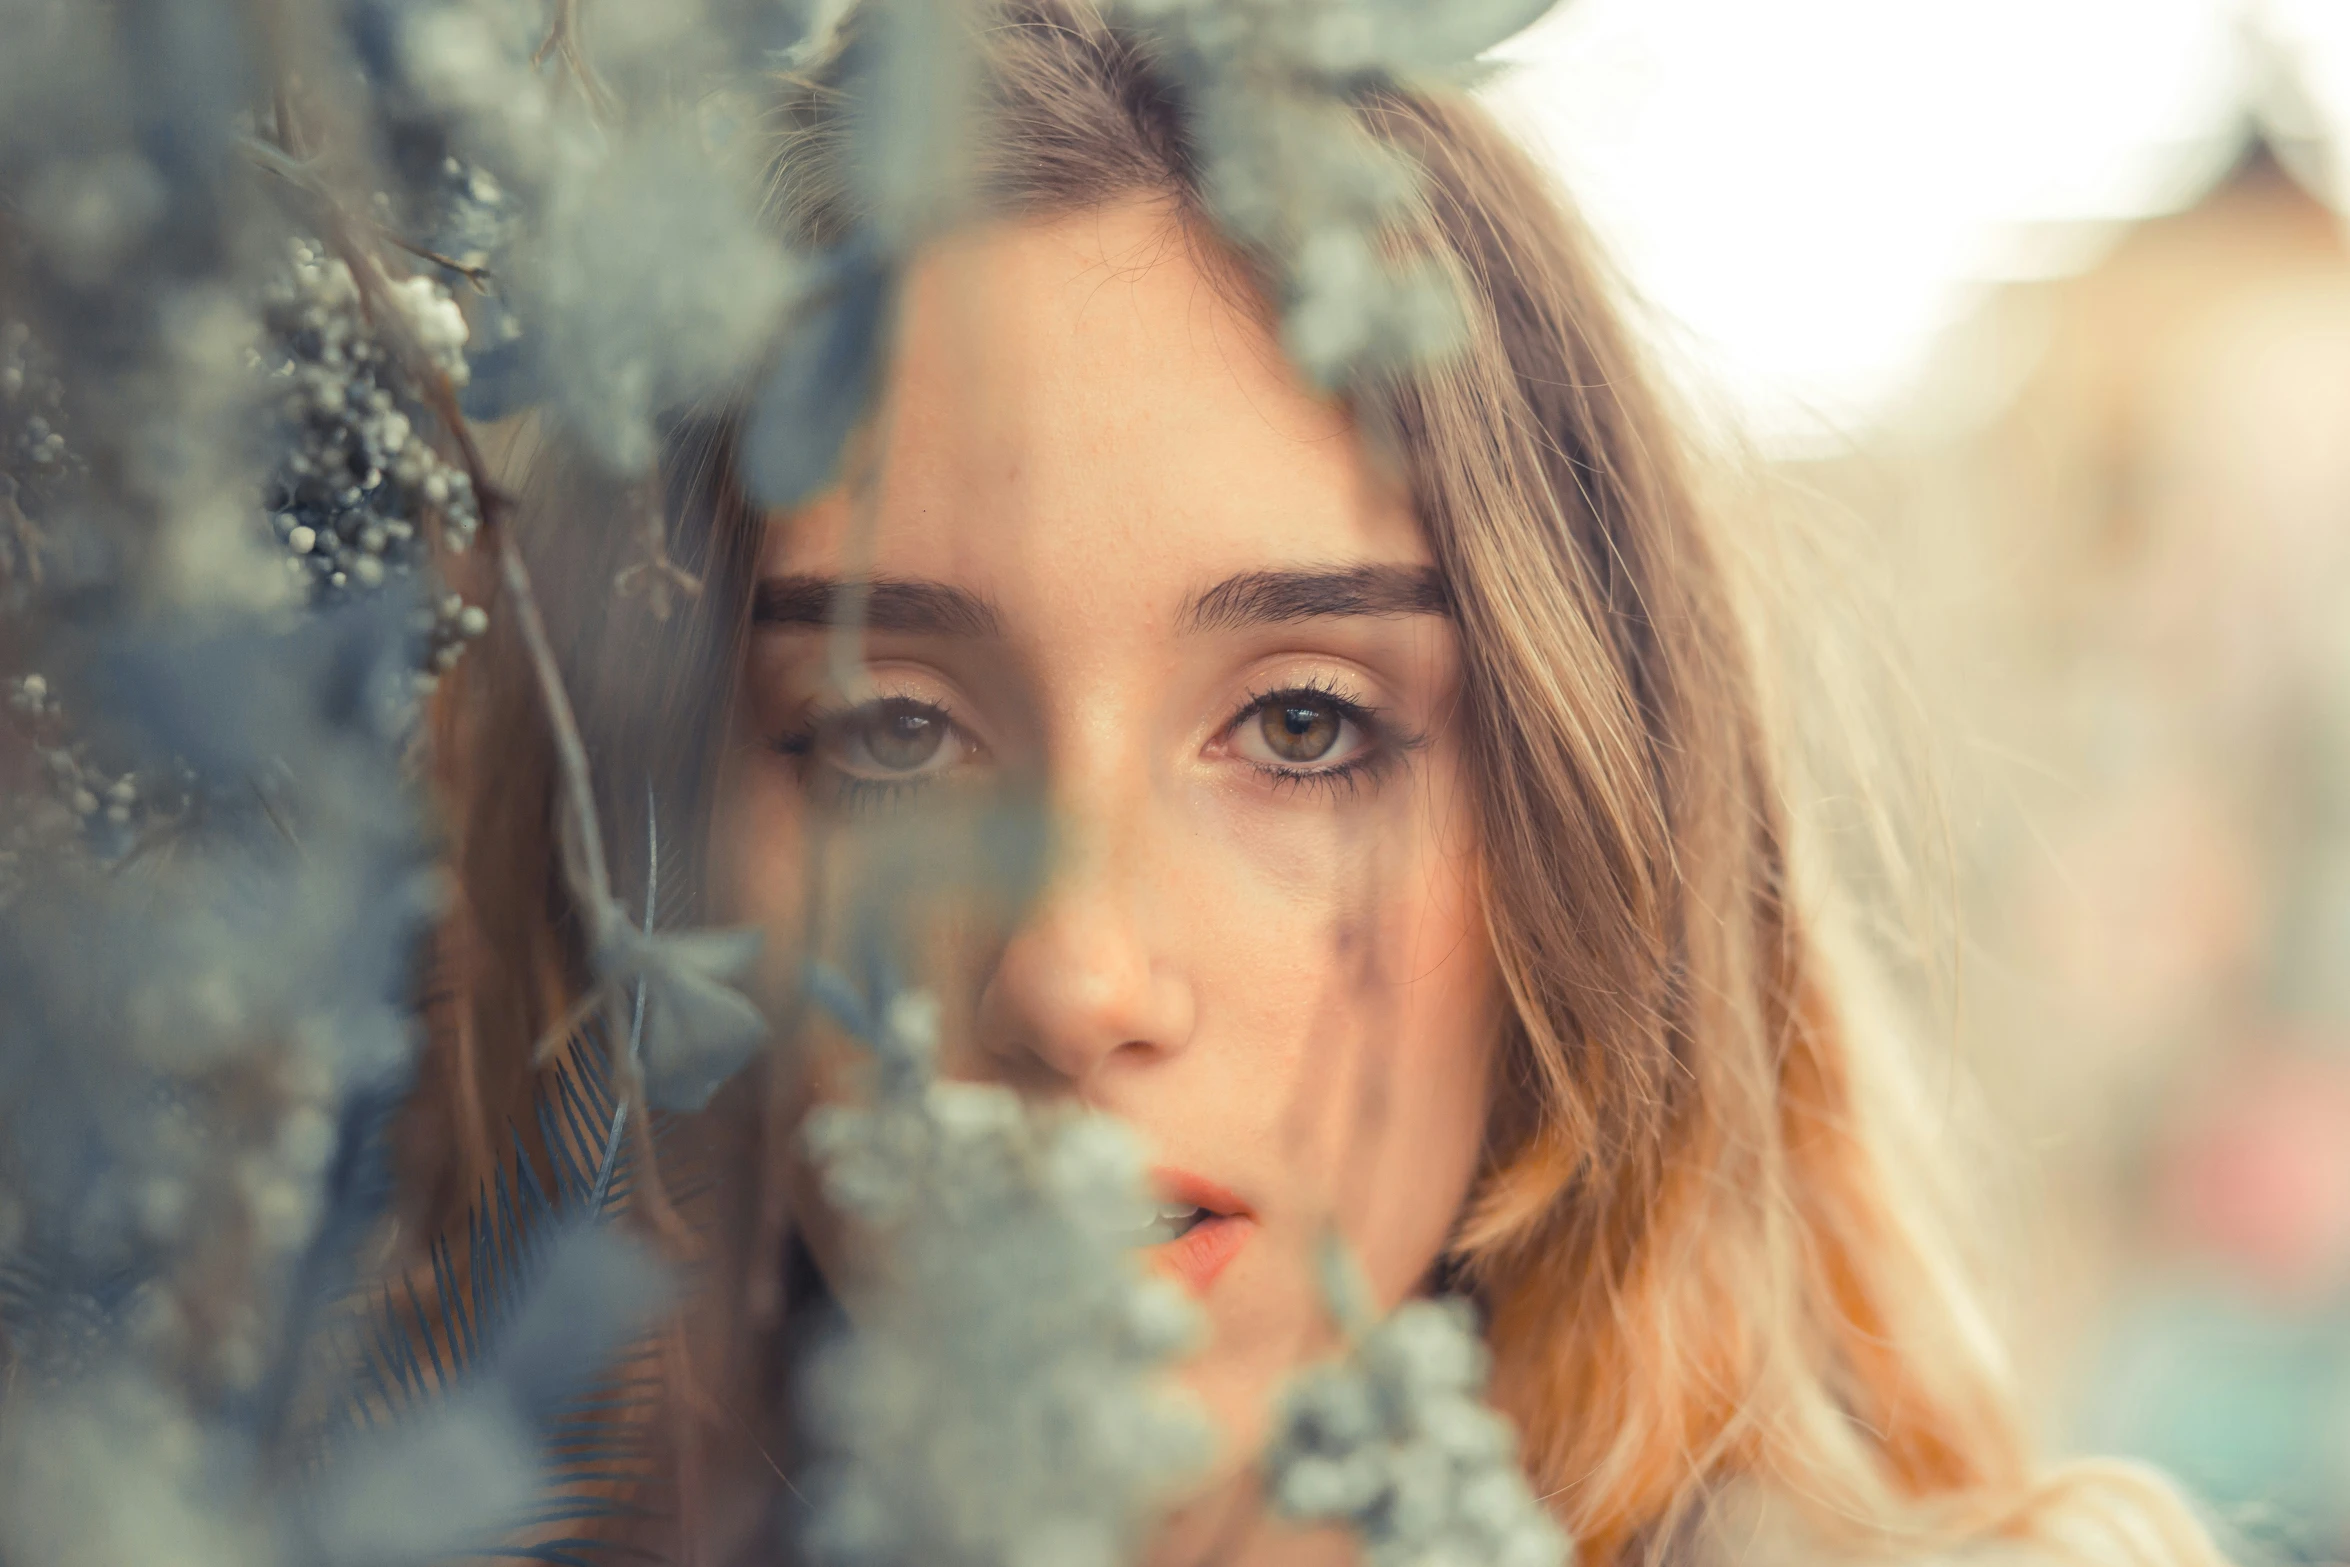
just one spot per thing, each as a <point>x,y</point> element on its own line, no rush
<point>900,736</point>
<point>1299,731</point>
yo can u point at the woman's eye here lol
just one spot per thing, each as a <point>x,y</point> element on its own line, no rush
<point>1292,731</point>
<point>894,739</point>
<point>1299,732</point>
<point>901,737</point>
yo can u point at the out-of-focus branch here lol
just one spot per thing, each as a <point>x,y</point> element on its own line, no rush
<point>655,573</point>
<point>586,874</point>
<point>297,171</point>
<point>586,877</point>
<point>562,45</point>
<point>20,540</point>
<point>478,276</point>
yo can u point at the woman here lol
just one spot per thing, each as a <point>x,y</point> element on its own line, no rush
<point>1418,859</point>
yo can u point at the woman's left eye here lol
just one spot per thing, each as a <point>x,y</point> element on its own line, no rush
<point>1302,731</point>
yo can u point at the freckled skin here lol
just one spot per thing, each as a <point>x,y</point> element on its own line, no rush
<point>1283,981</point>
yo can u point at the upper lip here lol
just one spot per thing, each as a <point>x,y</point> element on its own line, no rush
<point>1181,1186</point>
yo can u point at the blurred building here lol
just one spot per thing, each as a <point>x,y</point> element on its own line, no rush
<point>2120,508</point>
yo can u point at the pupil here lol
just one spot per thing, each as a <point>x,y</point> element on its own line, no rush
<point>1298,733</point>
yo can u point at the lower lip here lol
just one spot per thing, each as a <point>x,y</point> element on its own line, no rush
<point>1202,1252</point>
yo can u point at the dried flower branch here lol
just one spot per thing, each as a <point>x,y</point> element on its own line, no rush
<point>562,45</point>
<point>1395,1441</point>
<point>1002,1400</point>
<point>659,579</point>
<point>236,439</point>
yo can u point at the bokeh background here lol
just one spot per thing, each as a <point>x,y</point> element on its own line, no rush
<point>2043,307</point>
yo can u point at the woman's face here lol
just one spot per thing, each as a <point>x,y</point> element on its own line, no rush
<point>1125,568</point>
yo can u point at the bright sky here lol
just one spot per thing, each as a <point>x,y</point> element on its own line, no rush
<point>1808,190</point>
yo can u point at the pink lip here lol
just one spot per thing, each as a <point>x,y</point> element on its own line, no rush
<point>1208,1247</point>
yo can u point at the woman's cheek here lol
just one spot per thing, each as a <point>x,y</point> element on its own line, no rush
<point>1439,1022</point>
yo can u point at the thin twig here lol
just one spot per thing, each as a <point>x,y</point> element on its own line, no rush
<point>765,1456</point>
<point>24,540</point>
<point>575,1017</point>
<point>649,1198</point>
<point>479,276</point>
<point>586,876</point>
<point>302,174</point>
<point>655,573</point>
<point>587,879</point>
<point>284,828</point>
<point>562,45</point>
<point>589,882</point>
<point>628,1067</point>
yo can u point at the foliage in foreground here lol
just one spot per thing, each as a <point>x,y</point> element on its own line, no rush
<point>261,267</point>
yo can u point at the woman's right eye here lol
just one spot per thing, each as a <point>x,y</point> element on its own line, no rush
<point>894,737</point>
<point>896,740</point>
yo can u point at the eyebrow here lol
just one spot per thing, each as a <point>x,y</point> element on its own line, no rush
<point>919,606</point>
<point>909,604</point>
<point>1265,598</point>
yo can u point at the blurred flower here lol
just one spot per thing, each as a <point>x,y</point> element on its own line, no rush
<point>1395,1441</point>
<point>697,1030</point>
<point>1000,1398</point>
<point>2257,1171</point>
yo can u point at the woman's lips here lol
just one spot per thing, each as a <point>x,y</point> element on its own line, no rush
<point>1202,1252</point>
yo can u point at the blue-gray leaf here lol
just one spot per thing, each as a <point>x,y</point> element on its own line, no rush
<point>821,386</point>
<point>1407,37</point>
<point>699,1030</point>
<point>502,382</point>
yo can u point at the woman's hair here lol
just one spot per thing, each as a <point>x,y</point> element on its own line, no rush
<point>1713,1260</point>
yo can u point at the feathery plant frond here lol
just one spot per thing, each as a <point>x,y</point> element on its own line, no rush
<point>421,1347</point>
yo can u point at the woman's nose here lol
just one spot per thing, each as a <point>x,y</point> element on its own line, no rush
<point>1079,985</point>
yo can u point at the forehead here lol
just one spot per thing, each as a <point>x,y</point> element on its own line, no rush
<point>1084,399</point>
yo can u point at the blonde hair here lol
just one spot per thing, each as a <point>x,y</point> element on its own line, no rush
<point>1706,1236</point>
